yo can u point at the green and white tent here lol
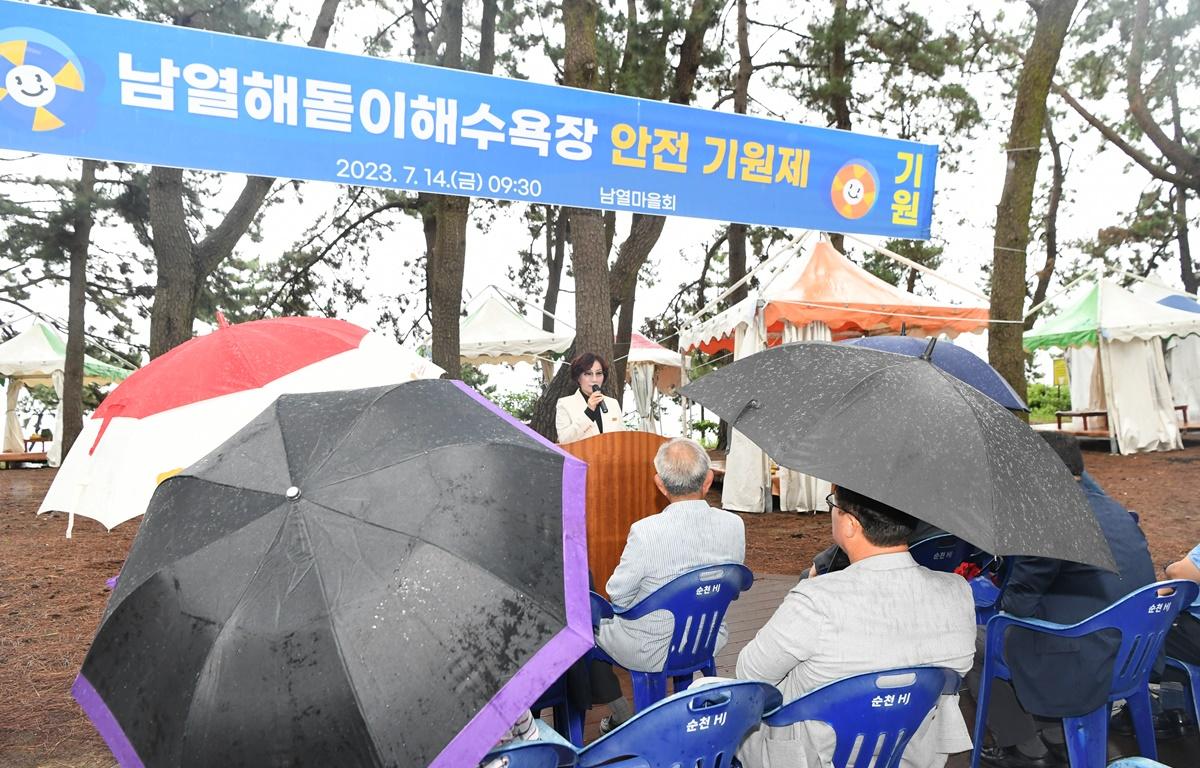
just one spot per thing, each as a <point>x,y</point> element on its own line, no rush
<point>1114,343</point>
<point>38,356</point>
<point>1111,312</point>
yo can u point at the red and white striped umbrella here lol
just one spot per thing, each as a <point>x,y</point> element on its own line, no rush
<point>180,406</point>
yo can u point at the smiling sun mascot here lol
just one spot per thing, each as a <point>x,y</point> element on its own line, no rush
<point>40,78</point>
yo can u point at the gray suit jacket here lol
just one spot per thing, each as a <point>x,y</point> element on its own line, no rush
<point>880,613</point>
<point>684,536</point>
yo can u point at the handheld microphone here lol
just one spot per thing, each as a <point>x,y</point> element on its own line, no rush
<point>603,405</point>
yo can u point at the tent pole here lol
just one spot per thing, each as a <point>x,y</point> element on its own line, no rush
<point>709,306</point>
<point>509,297</point>
<point>914,265</point>
<point>1061,291</point>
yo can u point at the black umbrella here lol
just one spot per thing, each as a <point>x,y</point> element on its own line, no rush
<point>901,430</point>
<point>376,577</point>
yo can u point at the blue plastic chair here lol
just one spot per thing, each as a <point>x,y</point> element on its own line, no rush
<point>533,754</point>
<point>697,600</point>
<point>872,714</point>
<point>1143,618</point>
<point>569,719</point>
<point>941,552</point>
<point>699,728</point>
<point>1193,674</point>
<point>986,592</point>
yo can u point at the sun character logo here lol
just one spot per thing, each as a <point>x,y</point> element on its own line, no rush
<point>41,70</point>
<point>855,189</point>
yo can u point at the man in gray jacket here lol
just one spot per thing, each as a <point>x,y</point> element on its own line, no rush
<point>688,534</point>
<point>883,611</point>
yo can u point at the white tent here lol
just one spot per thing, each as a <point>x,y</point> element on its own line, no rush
<point>651,367</point>
<point>37,356</point>
<point>495,332</point>
<point>819,297</point>
<point>1182,352</point>
<point>1126,374</point>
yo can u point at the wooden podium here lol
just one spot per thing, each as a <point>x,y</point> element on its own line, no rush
<point>620,491</point>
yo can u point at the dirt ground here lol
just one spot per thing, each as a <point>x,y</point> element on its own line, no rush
<point>52,590</point>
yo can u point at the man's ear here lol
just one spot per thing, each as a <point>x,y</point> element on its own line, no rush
<point>658,483</point>
<point>852,527</point>
<point>708,481</point>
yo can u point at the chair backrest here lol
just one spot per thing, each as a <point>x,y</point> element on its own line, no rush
<point>1142,617</point>
<point>698,728</point>
<point>698,600</point>
<point>872,714</point>
<point>941,552</point>
<point>531,754</point>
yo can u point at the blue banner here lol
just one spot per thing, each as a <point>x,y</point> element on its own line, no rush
<point>85,85</point>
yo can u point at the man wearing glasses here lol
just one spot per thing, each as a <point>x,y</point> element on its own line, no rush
<point>883,611</point>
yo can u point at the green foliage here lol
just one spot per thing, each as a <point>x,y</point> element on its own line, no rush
<point>704,427</point>
<point>519,404</point>
<point>1043,400</point>
<point>477,379</point>
<point>900,76</point>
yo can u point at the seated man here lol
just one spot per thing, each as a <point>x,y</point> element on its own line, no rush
<point>688,534</point>
<point>1060,677</point>
<point>883,611</point>
<point>1183,641</point>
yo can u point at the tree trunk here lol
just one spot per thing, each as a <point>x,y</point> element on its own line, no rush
<point>176,271</point>
<point>839,82</point>
<point>1012,214</point>
<point>589,255</point>
<point>446,280</point>
<point>1187,271</point>
<point>1056,188</point>
<point>644,232</point>
<point>182,265</point>
<point>446,218</point>
<point>556,251</point>
<point>83,217</point>
<point>741,101</point>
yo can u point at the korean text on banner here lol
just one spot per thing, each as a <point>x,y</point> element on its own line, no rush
<point>87,85</point>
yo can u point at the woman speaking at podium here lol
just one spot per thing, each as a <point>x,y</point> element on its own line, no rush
<point>587,412</point>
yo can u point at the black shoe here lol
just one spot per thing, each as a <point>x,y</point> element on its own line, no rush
<point>1168,724</point>
<point>1011,757</point>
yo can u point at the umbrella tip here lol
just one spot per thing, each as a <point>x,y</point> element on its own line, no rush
<point>928,353</point>
<point>221,321</point>
<point>292,493</point>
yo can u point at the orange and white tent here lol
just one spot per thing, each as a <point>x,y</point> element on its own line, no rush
<point>828,288</point>
<point>821,297</point>
<point>651,367</point>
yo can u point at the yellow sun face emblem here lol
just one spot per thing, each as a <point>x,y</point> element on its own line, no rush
<point>855,189</point>
<point>41,79</point>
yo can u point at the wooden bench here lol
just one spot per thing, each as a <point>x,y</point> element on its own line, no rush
<point>1085,415</point>
<point>18,458</point>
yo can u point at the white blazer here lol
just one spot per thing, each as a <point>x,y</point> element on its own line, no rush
<point>573,424</point>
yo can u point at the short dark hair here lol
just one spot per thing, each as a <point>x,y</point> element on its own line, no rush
<point>584,362</point>
<point>883,526</point>
<point>1067,448</point>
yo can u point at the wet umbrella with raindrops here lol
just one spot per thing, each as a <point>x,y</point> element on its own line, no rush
<point>372,577</point>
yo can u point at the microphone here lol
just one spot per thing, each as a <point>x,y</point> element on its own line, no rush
<point>603,405</point>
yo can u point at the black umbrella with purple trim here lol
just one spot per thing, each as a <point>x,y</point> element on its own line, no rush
<point>374,577</point>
